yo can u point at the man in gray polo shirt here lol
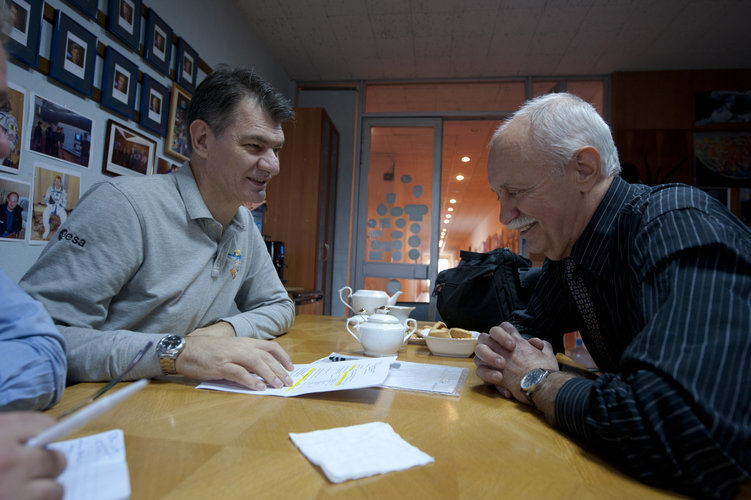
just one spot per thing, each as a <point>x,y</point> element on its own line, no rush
<point>176,259</point>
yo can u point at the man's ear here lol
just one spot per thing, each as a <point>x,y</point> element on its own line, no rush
<point>588,165</point>
<point>199,137</point>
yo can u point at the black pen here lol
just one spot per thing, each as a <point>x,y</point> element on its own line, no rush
<point>344,358</point>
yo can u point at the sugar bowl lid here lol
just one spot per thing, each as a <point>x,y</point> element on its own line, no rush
<point>382,316</point>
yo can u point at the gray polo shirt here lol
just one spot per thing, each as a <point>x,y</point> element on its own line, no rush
<point>141,257</point>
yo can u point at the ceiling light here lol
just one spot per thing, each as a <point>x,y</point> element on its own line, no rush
<point>465,159</point>
<point>460,177</point>
<point>452,201</point>
<point>446,221</point>
<point>448,216</point>
<point>451,209</point>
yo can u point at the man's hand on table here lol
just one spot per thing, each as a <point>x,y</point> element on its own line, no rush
<point>209,357</point>
<point>26,472</point>
<point>503,357</point>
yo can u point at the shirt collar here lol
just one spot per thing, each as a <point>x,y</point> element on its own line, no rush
<point>592,248</point>
<point>194,204</point>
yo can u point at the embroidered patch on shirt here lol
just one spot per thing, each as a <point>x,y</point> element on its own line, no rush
<point>236,257</point>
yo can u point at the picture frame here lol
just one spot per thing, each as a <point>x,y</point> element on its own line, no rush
<point>14,228</point>
<point>24,29</point>
<point>155,100</point>
<point>127,152</point>
<point>55,193</point>
<point>158,42</point>
<point>119,82</point>
<point>186,66</point>
<point>12,120</point>
<point>125,22</point>
<point>73,54</point>
<point>87,7</point>
<point>722,159</point>
<point>58,132</point>
<point>165,166</point>
<point>176,144</point>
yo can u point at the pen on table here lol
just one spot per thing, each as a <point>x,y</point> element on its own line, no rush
<point>344,358</point>
<point>85,415</point>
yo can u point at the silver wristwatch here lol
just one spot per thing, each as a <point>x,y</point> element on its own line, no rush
<point>168,349</point>
<point>532,380</point>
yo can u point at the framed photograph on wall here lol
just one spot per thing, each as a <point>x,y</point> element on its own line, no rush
<point>186,67</point>
<point>15,204</point>
<point>119,79</point>
<point>73,54</point>
<point>158,42</point>
<point>154,105</point>
<point>176,143</point>
<point>722,159</point>
<point>127,152</point>
<point>59,132</point>
<point>88,7</point>
<point>125,21</point>
<point>166,166</point>
<point>11,120</point>
<point>24,28</point>
<point>55,194</point>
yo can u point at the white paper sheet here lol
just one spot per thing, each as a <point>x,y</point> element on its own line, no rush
<point>423,377</point>
<point>96,469</point>
<point>310,378</point>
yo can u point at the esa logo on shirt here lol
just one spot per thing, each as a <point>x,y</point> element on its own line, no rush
<point>73,238</point>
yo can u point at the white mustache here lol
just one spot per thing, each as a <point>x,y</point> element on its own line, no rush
<point>521,221</point>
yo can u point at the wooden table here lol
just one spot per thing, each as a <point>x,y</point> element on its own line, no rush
<point>184,443</point>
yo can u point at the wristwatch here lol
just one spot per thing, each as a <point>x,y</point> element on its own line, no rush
<point>532,381</point>
<point>168,349</point>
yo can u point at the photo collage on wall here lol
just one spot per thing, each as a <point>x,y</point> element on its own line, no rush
<point>722,146</point>
<point>59,136</point>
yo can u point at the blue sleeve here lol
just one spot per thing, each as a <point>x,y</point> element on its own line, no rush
<point>32,352</point>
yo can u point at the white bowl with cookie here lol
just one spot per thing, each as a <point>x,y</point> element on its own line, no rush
<point>452,342</point>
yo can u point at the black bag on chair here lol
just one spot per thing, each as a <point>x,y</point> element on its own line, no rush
<point>483,290</point>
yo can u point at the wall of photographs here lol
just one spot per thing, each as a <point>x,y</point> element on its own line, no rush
<point>92,95</point>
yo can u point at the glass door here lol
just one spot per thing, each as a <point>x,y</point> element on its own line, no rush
<point>396,244</point>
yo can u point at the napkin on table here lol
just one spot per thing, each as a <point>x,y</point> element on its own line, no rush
<point>358,451</point>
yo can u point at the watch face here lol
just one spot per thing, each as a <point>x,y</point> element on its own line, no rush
<point>170,342</point>
<point>532,378</point>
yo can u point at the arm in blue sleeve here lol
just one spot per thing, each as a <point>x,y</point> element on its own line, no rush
<point>32,352</point>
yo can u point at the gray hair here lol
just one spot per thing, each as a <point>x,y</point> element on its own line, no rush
<point>561,124</point>
<point>218,95</point>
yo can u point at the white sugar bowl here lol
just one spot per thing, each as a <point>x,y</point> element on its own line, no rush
<point>381,334</point>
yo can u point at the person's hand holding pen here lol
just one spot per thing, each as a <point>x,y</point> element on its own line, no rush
<point>27,472</point>
<point>234,358</point>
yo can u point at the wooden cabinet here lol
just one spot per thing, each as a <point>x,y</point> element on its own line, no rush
<point>301,200</point>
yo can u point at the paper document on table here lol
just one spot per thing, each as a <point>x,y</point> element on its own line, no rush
<point>96,468</point>
<point>336,376</point>
<point>422,377</point>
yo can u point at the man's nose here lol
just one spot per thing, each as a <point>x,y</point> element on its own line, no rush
<point>508,212</point>
<point>269,162</point>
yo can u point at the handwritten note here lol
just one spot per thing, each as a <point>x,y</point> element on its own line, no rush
<point>96,469</point>
<point>335,376</point>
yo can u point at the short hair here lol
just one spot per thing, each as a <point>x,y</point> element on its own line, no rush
<point>7,197</point>
<point>560,124</point>
<point>218,95</point>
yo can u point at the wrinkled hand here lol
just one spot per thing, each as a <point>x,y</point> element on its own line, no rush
<point>503,357</point>
<point>232,358</point>
<point>25,472</point>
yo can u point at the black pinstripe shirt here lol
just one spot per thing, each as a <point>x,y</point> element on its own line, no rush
<point>669,271</point>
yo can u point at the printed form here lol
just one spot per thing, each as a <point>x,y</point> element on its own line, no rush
<point>319,377</point>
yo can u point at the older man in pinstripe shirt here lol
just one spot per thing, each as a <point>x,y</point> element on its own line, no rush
<point>658,282</point>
